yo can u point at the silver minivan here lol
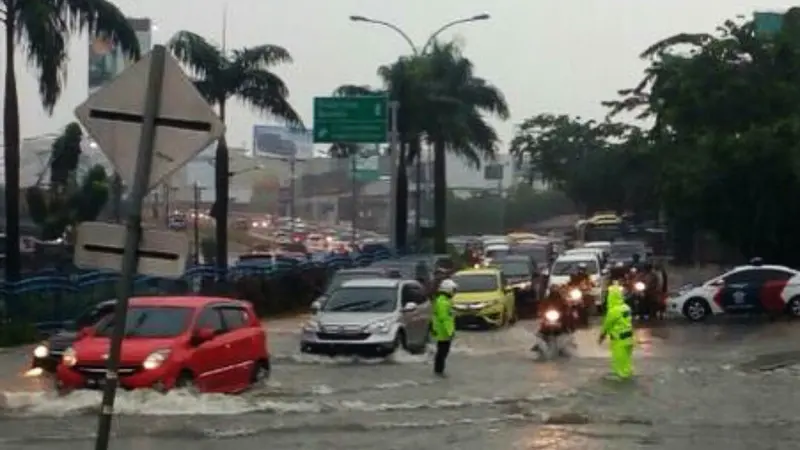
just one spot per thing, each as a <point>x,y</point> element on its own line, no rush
<point>370,317</point>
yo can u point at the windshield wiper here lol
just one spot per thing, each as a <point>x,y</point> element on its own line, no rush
<point>139,322</point>
<point>349,306</point>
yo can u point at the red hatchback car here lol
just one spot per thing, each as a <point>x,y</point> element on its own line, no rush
<point>205,343</point>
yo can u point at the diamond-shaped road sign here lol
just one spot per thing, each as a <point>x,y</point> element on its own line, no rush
<point>102,245</point>
<point>186,123</point>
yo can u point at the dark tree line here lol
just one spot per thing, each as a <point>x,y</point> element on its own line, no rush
<point>722,154</point>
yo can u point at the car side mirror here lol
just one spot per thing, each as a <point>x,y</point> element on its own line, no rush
<point>316,305</point>
<point>84,332</point>
<point>409,307</point>
<point>604,272</point>
<point>716,283</point>
<point>202,335</point>
<point>545,272</point>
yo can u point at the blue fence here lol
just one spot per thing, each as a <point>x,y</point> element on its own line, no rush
<point>54,296</point>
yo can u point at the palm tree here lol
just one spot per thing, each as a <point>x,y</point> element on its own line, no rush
<point>243,74</point>
<point>404,81</point>
<point>44,27</point>
<point>457,105</point>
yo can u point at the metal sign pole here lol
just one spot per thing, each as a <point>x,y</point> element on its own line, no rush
<point>394,158</point>
<point>354,175</point>
<point>134,230</point>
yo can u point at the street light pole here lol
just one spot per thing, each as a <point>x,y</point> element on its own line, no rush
<point>416,51</point>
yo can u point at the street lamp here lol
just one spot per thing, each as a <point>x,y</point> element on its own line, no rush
<point>420,52</point>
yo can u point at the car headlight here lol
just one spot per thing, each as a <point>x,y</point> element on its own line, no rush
<point>41,351</point>
<point>552,315</point>
<point>69,358</point>
<point>639,286</point>
<point>479,305</point>
<point>156,359</point>
<point>380,327</point>
<point>575,294</point>
<point>312,326</point>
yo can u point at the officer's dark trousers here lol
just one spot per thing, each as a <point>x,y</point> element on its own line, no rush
<point>442,350</point>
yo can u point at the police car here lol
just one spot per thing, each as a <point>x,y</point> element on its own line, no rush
<point>750,289</point>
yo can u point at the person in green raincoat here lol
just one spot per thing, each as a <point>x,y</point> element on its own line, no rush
<point>443,323</point>
<point>618,327</point>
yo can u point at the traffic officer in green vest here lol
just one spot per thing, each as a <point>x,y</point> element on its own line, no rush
<point>443,323</point>
<point>618,327</point>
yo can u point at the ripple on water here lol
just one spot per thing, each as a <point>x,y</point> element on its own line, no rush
<point>180,403</point>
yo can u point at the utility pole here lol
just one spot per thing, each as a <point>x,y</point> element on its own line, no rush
<point>292,188</point>
<point>354,182</point>
<point>196,218</point>
<point>167,201</point>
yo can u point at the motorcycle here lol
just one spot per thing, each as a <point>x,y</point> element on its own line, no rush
<point>550,336</point>
<point>579,303</point>
<point>642,301</point>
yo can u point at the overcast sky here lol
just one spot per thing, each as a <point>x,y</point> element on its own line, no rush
<point>560,56</point>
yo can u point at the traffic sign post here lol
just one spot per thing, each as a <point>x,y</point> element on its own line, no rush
<point>174,127</point>
<point>365,166</point>
<point>356,119</point>
<point>159,253</point>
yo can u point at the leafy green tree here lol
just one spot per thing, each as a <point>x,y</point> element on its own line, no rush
<point>67,201</point>
<point>244,74</point>
<point>42,28</point>
<point>598,165</point>
<point>726,128</point>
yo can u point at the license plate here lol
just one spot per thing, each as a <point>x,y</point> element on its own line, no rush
<point>95,383</point>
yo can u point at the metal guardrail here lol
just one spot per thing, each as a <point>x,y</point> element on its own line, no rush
<point>51,297</point>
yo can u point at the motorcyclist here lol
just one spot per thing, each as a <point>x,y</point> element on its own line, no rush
<point>580,276</point>
<point>556,299</point>
<point>636,262</point>
<point>618,326</point>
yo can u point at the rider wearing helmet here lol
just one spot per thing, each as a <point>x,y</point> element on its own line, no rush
<point>443,323</point>
<point>580,275</point>
<point>556,299</point>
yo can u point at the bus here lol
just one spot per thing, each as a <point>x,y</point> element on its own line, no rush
<point>600,227</point>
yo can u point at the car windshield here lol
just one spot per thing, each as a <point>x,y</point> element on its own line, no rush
<point>341,277</point>
<point>362,299</point>
<point>561,268</point>
<point>497,252</point>
<point>150,322</point>
<point>626,251</point>
<point>476,282</point>
<point>607,232</point>
<point>538,254</point>
<point>514,268</point>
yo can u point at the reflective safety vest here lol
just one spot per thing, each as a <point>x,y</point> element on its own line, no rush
<point>618,321</point>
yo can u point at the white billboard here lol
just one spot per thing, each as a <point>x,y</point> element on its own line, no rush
<point>275,141</point>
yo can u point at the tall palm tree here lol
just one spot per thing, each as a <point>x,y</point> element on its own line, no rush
<point>405,82</point>
<point>44,27</point>
<point>457,105</point>
<point>243,74</point>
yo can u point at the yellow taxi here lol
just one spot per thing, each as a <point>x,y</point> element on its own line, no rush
<point>483,298</point>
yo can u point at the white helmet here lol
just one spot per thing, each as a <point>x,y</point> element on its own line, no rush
<point>448,286</point>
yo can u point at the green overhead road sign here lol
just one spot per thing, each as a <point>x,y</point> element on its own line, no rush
<point>358,119</point>
<point>365,167</point>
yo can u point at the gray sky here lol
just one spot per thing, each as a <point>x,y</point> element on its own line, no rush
<point>546,55</point>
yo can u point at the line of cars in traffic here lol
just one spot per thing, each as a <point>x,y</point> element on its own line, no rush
<point>219,345</point>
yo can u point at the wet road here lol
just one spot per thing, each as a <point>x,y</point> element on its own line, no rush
<point>696,387</point>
